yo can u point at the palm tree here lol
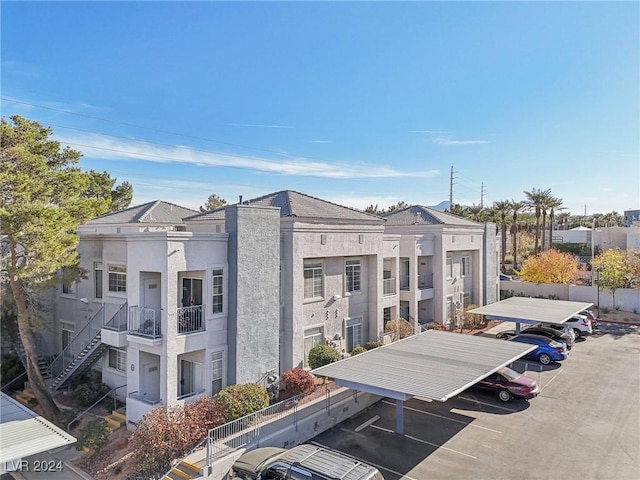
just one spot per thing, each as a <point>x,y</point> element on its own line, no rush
<point>563,220</point>
<point>535,201</point>
<point>476,213</point>
<point>554,205</point>
<point>502,208</point>
<point>516,207</point>
<point>458,210</point>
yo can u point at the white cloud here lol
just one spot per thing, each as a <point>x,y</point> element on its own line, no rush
<point>321,141</point>
<point>442,140</point>
<point>104,147</point>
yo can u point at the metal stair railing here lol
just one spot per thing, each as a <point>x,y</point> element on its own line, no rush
<point>85,360</point>
<point>77,344</point>
<point>44,355</point>
<point>110,392</point>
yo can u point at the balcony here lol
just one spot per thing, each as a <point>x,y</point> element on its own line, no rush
<point>145,322</point>
<point>404,282</point>
<point>389,286</point>
<point>190,319</point>
<point>138,404</point>
<point>425,280</point>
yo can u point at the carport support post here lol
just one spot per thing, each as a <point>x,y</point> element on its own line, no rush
<point>399,417</point>
<point>517,328</point>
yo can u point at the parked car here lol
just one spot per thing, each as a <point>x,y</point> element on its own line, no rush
<point>504,277</point>
<point>567,337</point>
<point>581,325</point>
<point>595,324</point>
<point>564,329</point>
<point>304,461</point>
<point>548,350</point>
<point>508,384</point>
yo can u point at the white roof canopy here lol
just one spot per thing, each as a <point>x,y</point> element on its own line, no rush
<point>435,365</point>
<point>532,310</point>
<point>24,433</point>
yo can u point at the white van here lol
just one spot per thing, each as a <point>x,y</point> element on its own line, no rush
<point>304,462</point>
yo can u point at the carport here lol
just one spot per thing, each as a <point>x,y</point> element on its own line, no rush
<point>531,310</point>
<point>433,365</point>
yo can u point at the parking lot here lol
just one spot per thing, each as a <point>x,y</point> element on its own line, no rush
<point>585,424</point>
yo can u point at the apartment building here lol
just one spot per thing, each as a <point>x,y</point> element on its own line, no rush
<point>178,304</point>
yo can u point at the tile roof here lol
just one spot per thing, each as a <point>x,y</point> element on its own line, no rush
<point>295,204</point>
<point>419,215</point>
<point>152,212</point>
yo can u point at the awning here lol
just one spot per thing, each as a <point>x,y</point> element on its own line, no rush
<point>433,365</point>
<point>531,310</point>
<point>24,433</point>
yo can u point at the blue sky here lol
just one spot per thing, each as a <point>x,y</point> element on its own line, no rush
<point>358,103</point>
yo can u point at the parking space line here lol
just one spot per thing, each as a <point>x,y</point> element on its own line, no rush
<point>549,382</point>
<point>379,467</point>
<point>367,423</point>
<point>445,418</point>
<point>474,400</point>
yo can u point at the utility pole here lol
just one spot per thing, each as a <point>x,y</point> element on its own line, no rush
<point>482,195</point>
<point>451,184</point>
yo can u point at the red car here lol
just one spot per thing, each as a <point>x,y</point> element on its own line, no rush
<point>509,384</point>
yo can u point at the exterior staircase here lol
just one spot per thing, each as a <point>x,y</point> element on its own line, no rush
<point>115,420</point>
<point>185,470</point>
<point>43,360</point>
<point>82,362</point>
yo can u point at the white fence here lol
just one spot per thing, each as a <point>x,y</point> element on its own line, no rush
<point>626,299</point>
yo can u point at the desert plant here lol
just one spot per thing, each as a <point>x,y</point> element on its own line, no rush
<point>93,435</point>
<point>322,355</point>
<point>89,393</point>
<point>372,345</point>
<point>435,326</point>
<point>358,350</point>
<point>164,435</point>
<point>297,380</point>
<point>400,327</point>
<point>242,399</point>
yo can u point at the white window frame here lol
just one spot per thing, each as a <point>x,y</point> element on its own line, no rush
<point>353,327</point>
<point>316,280</point>
<point>449,266</point>
<point>316,335</point>
<point>217,290</point>
<point>119,274</point>
<point>353,270</point>
<point>217,371</point>
<point>67,329</point>
<point>466,265</point>
<point>98,280</point>
<point>120,359</point>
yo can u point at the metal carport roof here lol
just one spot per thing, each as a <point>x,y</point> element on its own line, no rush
<point>434,365</point>
<point>24,433</point>
<point>531,310</point>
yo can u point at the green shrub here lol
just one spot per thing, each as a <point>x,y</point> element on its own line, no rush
<point>358,350</point>
<point>240,400</point>
<point>93,435</point>
<point>372,345</point>
<point>297,380</point>
<point>10,368</point>
<point>322,355</point>
<point>89,393</point>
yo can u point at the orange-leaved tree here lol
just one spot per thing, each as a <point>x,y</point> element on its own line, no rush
<point>550,266</point>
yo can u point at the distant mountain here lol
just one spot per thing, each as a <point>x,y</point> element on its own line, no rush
<point>442,206</point>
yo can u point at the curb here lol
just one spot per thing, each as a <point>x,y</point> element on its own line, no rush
<point>619,322</point>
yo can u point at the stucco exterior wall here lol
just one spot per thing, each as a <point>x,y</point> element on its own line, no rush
<point>254,264</point>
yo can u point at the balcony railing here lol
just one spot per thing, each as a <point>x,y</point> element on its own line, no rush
<point>190,319</point>
<point>118,322</point>
<point>145,322</point>
<point>404,282</point>
<point>425,280</point>
<point>389,286</point>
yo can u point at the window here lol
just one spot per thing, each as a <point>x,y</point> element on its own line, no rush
<point>217,290</point>
<point>97,279</point>
<point>190,378</point>
<point>67,282</point>
<point>117,359</point>
<point>191,292</point>
<point>117,278</point>
<point>67,332</point>
<point>386,315</point>
<point>313,281</point>
<point>449,267</point>
<point>216,371</point>
<point>353,275</point>
<point>353,333</point>
<point>466,265</point>
<point>312,337</point>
